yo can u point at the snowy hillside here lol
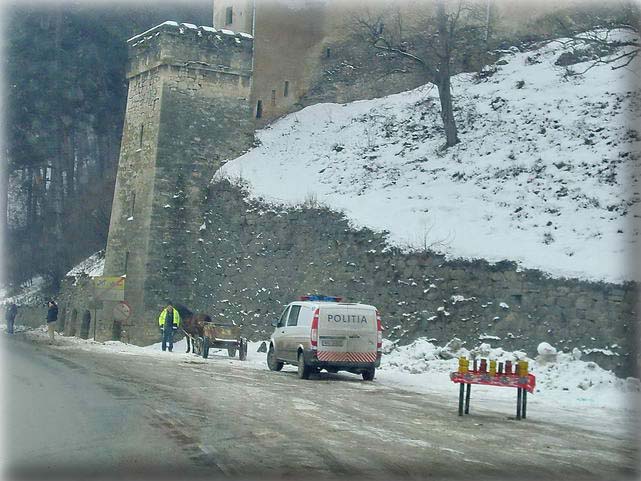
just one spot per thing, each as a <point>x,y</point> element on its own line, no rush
<point>546,173</point>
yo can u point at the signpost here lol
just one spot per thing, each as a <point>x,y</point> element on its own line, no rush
<point>122,311</point>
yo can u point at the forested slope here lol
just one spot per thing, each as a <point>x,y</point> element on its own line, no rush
<point>66,94</point>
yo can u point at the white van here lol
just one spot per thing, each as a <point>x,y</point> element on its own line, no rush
<point>321,332</point>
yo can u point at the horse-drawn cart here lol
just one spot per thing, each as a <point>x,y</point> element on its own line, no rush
<point>218,336</point>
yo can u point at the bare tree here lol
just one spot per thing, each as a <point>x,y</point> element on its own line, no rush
<point>444,36</point>
<point>599,35</point>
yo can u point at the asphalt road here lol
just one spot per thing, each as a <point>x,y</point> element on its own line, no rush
<point>78,414</point>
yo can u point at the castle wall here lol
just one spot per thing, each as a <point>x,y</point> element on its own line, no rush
<point>240,12</point>
<point>305,52</point>
<point>287,52</point>
<point>130,222</point>
<point>314,46</point>
<point>253,259</point>
<point>287,56</point>
<point>187,111</point>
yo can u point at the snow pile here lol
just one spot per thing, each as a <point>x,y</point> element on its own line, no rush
<point>566,378</point>
<point>545,349</point>
<point>92,266</point>
<point>546,173</point>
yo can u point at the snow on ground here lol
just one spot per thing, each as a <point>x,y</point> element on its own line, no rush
<point>546,173</point>
<point>569,390</point>
<point>30,293</point>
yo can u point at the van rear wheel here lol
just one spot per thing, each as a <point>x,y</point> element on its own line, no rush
<point>303,369</point>
<point>272,363</point>
<point>242,349</point>
<point>369,374</point>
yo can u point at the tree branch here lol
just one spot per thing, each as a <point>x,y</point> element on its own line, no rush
<point>395,50</point>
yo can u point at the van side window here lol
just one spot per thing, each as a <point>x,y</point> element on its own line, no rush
<point>305,316</point>
<point>283,318</point>
<point>293,316</point>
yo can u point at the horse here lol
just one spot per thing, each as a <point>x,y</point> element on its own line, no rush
<point>193,326</point>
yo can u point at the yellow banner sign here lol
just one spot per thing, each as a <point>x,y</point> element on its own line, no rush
<point>109,282</point>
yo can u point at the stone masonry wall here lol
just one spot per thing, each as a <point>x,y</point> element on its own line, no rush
<point>201,130</point>
<point>133,195</point>
<point>251,260</point>
<point>187,110</point>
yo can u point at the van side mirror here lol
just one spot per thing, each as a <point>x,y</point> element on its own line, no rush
<point>275,323</point>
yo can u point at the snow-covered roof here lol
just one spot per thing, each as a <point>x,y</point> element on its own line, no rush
<point>92,266</point>
<point>136,39</point>
<point>169,23</point>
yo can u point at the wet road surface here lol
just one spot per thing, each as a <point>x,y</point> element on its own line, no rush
<point>80,413</point>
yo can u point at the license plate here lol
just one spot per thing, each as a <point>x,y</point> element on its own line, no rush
<point>332,342</point>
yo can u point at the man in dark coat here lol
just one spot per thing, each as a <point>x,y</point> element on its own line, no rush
<point>52,317</point>
<point>10,314</point>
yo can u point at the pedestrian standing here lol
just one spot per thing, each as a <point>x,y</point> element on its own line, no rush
<point>52,317</point>
<point>10,315</point>
<point>169,320</point>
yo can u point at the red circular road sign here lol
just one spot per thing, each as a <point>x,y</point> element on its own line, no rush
<point>122,311</point>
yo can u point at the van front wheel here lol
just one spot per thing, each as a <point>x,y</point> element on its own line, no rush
<point>369,374</point>
<point>303,369</point>
<point>273,363</point>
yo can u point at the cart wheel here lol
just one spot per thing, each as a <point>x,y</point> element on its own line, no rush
<point>205,348</point>
<point>242,352</point>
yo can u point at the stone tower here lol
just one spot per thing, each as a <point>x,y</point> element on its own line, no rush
<point>188,109</point>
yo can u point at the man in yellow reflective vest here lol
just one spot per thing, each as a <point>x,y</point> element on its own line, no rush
<point>169,320</point>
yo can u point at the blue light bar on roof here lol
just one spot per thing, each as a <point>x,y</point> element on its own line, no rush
<point>317,297</point>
